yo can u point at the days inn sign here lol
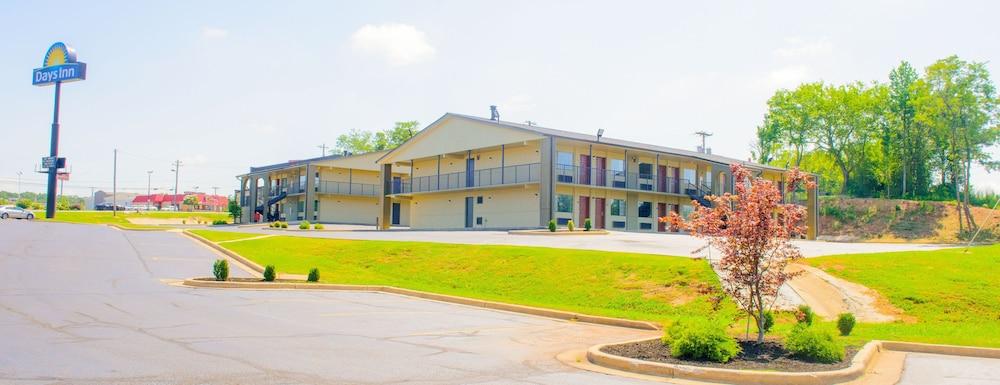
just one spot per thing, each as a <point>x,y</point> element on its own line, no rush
<point>59,66</point>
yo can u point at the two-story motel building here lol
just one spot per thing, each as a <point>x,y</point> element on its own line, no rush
<point>465,172</point>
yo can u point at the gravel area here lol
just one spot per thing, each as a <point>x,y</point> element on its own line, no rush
<point>770,355</point>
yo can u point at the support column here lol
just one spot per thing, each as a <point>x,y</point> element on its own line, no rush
<point>252,200</point>
<point>812,209</point>
<point>267,195</point>
<point>385,218</point>
<point>310,194</point>
<point>244,200</point>
<point>546,184</point>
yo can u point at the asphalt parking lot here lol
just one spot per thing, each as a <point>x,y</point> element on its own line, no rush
<point>82,304</point>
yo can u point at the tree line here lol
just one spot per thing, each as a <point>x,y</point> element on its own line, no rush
<point>916,136</point>
<point>361,141</point>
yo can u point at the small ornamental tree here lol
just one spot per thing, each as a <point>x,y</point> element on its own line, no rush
<point>235,210</point>
<point>752,230</point>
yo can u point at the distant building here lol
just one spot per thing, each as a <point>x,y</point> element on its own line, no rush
<point>101,196</point>
<point>206,202</point>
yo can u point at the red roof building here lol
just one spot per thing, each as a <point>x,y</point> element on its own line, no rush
<point>206,202</point>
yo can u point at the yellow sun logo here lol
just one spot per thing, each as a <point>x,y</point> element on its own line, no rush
<point>59,54</point>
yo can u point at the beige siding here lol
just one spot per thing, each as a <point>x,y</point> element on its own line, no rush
<point>457,135</point>
<point>501,208</point>
<point>347,209</point>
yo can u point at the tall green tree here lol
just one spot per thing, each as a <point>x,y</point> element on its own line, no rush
<point>359,142</point>
<point>907,139</point>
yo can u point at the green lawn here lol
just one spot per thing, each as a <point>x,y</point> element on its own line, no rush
<point>106,217</point>
<point>635,286</point>
<point>947,296</point>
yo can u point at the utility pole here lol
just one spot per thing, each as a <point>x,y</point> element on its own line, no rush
<point>703,135</point>
<point>114,187</point>
<point>176,170</point>
<point>149,177</point>
<point>19,184</point>
<point>322,147</point>
<point>215,190</point>
<point>92,198</point>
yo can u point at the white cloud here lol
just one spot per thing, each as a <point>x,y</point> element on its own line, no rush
<point>796,48</point>
<point>788,77</point>
<point>398,44</point>
<point>214,33</point>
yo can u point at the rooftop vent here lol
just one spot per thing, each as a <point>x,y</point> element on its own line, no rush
<point>494,114</point>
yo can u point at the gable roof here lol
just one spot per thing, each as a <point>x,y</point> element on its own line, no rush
<point>593,139</point>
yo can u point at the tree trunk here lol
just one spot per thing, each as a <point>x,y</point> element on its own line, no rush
<point>958,202</point>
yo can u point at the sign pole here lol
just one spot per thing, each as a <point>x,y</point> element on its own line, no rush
<point>50,199</point>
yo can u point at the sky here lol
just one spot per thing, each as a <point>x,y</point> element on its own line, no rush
<point>222,86</point>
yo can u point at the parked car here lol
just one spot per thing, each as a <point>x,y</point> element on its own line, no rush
<point>15,212</point>
<point>108,207</point>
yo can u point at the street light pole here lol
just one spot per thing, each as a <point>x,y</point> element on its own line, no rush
<point>114,187</point>
<point>176,170</point>
<point>149,177</point>
<point>19,184</point>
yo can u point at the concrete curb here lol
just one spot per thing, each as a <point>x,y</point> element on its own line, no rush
<point>557,314</point>
<point>548,313</point>
<point>119,227</point>
<point>859,365</point>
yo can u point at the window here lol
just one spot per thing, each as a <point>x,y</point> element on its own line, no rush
<point>686,211</point>
<point>645,170</point>
<point>618,207</point>
<point>645,209</point>
<point>562,221</point>
<point>479,221</point>
<point>564,203</point>
<point>302,184</point>
<point>618,172</point>
<point>479,199</point>
<point>316,182</point>
<point>689,175</point>
<point>618,224</point>
<point>564,158</point>
<point>645,226</point>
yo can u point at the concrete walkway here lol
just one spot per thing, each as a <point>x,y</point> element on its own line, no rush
<point>648,243</point>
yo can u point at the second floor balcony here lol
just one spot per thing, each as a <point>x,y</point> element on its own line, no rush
<point>507,175</point>
<point>597,177</point>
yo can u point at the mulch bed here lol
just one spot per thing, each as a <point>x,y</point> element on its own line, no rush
<point>770,355</point>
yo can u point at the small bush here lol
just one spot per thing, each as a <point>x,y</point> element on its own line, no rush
<point>845,323</point>
<point>768,321</point>
<point>304,225</point>
<point>702,340</point>
<point>218,222</point>
<point>587,225</point>
<point>805,315</point>
<point>809,344</point>
<point>552,225</point>
<point>269,273</point>
<point>318,226</point>
<point>221,269</point>
<point>570,225</point>
<point>184,221</point>
<point>272,224</point>
<point>284,225</point>
<point>313,275</point>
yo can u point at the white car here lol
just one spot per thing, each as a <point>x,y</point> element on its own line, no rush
<point>15,212</point>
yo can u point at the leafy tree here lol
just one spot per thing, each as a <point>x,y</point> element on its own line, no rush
<point>909,137</point>
<point>359,142</point>
<point>235,210</point>
<point>25,203</point>
<point>753,230</point>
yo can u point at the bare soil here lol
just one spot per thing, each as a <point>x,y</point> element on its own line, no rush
<point>770,355</point>
<point>898,221</point>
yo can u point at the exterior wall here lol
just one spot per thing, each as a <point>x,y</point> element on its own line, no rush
<point>348,210</point>
<point>514,207</point>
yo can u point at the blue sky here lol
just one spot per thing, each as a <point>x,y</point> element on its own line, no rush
<point>225,85</point>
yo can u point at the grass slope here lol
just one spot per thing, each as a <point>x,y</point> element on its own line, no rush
<point>947,296</point>
<point>635,286</point>
<point>221,236</point>
<point>106,217</point>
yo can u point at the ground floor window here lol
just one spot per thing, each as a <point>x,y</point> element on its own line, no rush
<point>564,203</point>
<point>618,207</point>
<point>645,209</point>
<point>686,211</point>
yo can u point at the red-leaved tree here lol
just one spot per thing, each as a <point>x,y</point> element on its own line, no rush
<point>752,230</point>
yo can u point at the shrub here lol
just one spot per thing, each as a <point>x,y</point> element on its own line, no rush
<point>272,224</point>
<point>269,273</point>
<point>845,323</point>
<point>221,269</point>
<point>703,340</point>
<point>569,225</point>
<point>552,225</point>
<point>313,275</point>
<point>184,221</point>
<point>768,321</point>
<point>304,225</point>
<point>812,345</point>
<point>218,222</point>
<point>318,226</point>
<point>284,225</point>
<point>805,315</point>
<point>587,225</point>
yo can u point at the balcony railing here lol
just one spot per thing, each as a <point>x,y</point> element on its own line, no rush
<point>345,188</point>
<point>618,179</point>
<point>523,173</point>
